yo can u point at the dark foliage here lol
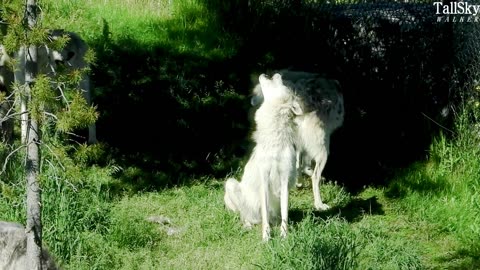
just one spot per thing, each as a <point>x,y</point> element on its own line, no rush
<point>402,73</point>
<point>174,113</point>
<point>403,70</point>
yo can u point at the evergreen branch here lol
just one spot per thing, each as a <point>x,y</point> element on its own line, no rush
<point>4,168</point>
<point>51,115</point>
<point>55,155</point>
<point>12,116</point>
<point>75,135</point>
<point>63,96</point>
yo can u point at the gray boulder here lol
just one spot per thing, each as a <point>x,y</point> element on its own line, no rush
<point>13,248</point>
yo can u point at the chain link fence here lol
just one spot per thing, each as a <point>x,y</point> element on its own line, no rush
<point>404,67</point>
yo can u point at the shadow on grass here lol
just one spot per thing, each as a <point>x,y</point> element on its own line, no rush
<point>417,178</point>
<point>463,259</point>
<point>178,109</point>
<point>169,113</point>
<point>351,212</point>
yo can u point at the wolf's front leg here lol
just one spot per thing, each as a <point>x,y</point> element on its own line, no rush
<point>284,207</point>
<point>264,197</point>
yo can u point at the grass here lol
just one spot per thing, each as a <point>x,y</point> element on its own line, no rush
<point>121,214</point>
<point>184,26</point>
<point>86,228</point>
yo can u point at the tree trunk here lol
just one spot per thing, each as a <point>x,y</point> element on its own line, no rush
<point>34,222</point>
<point>20,79</point>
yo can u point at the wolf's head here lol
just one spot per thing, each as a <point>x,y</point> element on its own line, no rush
<point>275,91</point>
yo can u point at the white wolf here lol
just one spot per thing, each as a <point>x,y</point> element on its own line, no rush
<point>72,57</point>
<point>323,114</point>
<point>270,172</point>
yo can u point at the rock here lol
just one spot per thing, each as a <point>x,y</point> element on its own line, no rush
<point>13,248</point>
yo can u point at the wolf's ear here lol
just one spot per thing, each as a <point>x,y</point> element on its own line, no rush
<point>262,79</point>
<point>277,78</point>
<point>297,108</point>
<point>265,83</point>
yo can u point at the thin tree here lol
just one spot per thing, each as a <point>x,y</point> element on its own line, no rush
<point>34,210</point>
<point>48,104</point>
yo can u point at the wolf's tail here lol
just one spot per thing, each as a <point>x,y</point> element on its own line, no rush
<point>232,194</point>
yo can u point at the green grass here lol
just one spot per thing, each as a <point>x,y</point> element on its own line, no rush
<point>86,228</point>
<point>97,217</point>
<point>186,27</point>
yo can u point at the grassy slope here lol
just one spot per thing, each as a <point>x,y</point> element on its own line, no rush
<point>428,217</point>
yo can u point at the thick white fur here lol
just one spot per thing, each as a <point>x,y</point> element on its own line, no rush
<point>270,172</point>
<point>324,113</point>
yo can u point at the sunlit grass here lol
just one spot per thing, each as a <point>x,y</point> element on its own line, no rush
<point>427,217</point>
<point>184,26</point>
